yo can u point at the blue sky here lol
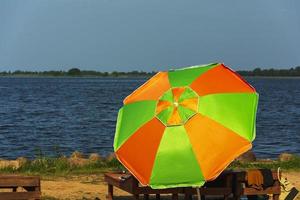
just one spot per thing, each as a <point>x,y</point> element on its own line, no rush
<point>124,35</point>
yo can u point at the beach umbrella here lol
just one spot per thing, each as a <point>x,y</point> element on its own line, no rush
<point>185,126</point>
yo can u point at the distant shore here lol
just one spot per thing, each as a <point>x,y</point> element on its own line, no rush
<point>76,72</point>
<point>127,77</point>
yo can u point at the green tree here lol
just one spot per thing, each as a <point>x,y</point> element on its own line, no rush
<point>256,71</point>
<point>74,72</point>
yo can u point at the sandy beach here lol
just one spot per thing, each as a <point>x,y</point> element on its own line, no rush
<point>93,187</point>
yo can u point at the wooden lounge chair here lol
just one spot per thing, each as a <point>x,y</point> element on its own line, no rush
<point>130,184</point>
<point>222,187</point>
<point>241,188</point>
<point>31,187</point>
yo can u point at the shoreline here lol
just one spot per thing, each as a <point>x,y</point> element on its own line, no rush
<point>74,77</point>
<point>109,155</point>
<point>78,163</point>
<point>128,76</point>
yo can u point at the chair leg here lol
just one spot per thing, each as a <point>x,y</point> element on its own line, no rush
<point>146,196</point>
<point>188,196</point>
<point>136,196</point>
<point>175,196</point>
<point>157,196</point>
<point>275,196</point>
<point>110,192</point>
<point>236,197</point>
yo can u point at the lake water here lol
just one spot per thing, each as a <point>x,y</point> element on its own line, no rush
<point>61,115</point>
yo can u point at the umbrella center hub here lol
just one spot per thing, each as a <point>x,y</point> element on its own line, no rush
<point>176,106</point>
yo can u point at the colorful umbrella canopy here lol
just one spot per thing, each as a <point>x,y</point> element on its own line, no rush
<point>184,127</point>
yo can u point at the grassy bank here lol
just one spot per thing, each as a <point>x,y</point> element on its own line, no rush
<point>46,166</point>
<point>292,164</point>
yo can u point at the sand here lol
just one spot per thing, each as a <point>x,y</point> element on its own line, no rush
<point>93,187</point>
<point>77,187</point>
<point>294,179</point>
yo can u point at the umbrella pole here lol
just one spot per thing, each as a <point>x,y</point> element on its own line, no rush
<point>198,193</point>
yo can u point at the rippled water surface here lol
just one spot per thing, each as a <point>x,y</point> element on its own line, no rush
<point>60,115</point>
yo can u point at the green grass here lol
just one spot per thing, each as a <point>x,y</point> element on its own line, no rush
<point>293,164</point>
<point>47,166</point>
<point>61,167</point>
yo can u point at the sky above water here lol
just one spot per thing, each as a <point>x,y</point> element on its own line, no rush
<point>148,35</point>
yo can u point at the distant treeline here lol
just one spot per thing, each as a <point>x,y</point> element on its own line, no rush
<point>77,72</point>
<point>272,72</point>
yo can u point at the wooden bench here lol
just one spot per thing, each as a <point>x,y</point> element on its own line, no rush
<point>30,186</point>
<point>241,189</point>
<point>131,185</point>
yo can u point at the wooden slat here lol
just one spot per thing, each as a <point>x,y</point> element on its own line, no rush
<point>18,177</point>
<point>270,190</point>
<point>209,191</point>
<point>127,185</point>
<point>19,195</point>
<point>14,180</point>
<point>149,190</point>
<point>18,182</point>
